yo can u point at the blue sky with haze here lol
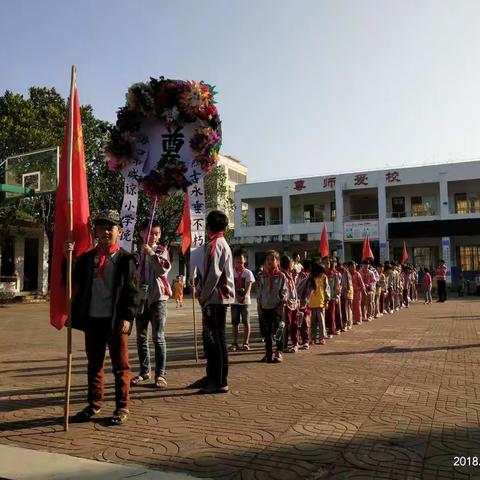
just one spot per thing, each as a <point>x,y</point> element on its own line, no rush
<point>305,87</point>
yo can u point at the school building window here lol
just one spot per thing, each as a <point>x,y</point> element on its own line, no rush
<point>461,205</point>
<point>275,216</point>
<point>333,211</point>
<point>260,216</point>
<point>470,258</point>
<point>425,256</point>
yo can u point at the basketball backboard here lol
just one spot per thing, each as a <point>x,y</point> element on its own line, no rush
<point>32,173</point>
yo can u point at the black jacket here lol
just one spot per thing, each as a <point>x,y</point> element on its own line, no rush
<point>126,293</point>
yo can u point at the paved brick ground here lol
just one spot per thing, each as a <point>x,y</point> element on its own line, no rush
<point>397,398</point>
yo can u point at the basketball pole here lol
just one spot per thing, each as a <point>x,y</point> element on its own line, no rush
<point>68,380</point>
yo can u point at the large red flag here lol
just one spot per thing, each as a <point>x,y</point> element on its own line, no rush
<point>404,259</point>
<point>324,249</point>
<point>366,250</point>
<point>81,214</point>
<point>185,228</point>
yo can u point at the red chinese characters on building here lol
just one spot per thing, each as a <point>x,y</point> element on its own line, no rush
<point>391,177</point>
<point>299,185</point>
<point>329,182</point>
<point>361,179</point>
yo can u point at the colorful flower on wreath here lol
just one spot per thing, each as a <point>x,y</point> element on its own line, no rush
<point>120,150</point>
<point>166,179</point>
<point>204,140</point>
<point>207,162</point>
<point>195,98</point>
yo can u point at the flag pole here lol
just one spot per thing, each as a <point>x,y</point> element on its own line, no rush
<point>68,381</point>
<point>195,344</point>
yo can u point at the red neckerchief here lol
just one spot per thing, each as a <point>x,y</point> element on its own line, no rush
<point>239,279</point>
<point>211,253</point>
<point>287,274</point>
<point>270,274</point>
<point>102,257</point>
<point>290,280</point>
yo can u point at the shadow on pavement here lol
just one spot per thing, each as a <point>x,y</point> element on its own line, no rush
<point>393,349</point>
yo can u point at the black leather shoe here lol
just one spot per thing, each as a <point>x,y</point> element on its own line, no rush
<point>202,383</point>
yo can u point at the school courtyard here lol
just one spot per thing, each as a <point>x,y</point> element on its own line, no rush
<point>398,398</point>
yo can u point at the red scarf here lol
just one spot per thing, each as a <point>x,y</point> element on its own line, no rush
<point>290,280</point>
<point>211,253</point>
<point>102,257</point>
<point>238,279</point>
<point>270,274</point>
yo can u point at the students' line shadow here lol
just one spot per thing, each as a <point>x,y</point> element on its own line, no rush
<point>393,349</point>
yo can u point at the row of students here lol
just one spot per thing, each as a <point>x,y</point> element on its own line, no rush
<point>300,305</point>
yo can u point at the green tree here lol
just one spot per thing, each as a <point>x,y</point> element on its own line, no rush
<point>217,194</point>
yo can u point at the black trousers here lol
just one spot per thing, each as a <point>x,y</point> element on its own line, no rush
<point>442,290</point>
<point>215,344</point>
<point>271,320</point>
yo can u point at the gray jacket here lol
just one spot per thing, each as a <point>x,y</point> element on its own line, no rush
<point>272,295</point>
<point>214,281</point>
<point>157,267</point>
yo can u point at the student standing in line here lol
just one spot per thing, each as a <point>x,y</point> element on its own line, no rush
<point>304,282</point>
<point>358,293</point>
<point>272,292</point>
<point>244,279</point>
<point>317,303</point>
<point>290,313</point>
<point>427,285</point>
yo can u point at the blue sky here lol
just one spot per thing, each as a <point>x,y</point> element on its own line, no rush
<point>305,87</point>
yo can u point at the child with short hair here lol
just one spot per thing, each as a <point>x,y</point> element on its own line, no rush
<point>272,292</point>
<point>380,292</point>
<point>389,288</point>
<point>290,313</point>
<point>427,285</point>
<point>153,270</point>
<point>104,306</point>
<point>346,296</point>
<point>406,282</point>
<point>215,287</point>
<point>304,289</point>
<point>178,291</point>
<point>317,303</point>
<point>358,292</point>
<point>370,283</point>
<point>244,279</point>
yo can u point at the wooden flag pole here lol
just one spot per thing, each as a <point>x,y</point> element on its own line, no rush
<point>68,381</point>
<point>195,344</point>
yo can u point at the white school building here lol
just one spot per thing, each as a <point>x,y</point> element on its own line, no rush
<point>434,209</point>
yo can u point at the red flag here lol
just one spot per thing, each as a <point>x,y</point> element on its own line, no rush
<point>185,228</point>
<point>367,251</point>
<point>404,259</point>
<point>81,213</point>
<point>324,249</point>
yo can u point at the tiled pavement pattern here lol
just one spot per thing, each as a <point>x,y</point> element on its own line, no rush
<point>394,399</point>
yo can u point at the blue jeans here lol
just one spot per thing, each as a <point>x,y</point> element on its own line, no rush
<point>156,314</point>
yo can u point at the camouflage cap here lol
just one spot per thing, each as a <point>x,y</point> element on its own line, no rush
<point>110,216</point>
